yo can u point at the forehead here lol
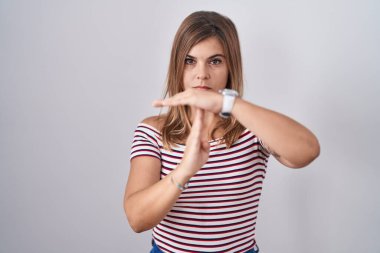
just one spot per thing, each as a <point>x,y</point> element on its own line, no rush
<point>207,47</point>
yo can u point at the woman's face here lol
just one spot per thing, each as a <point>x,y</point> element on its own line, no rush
<point>206,66</point>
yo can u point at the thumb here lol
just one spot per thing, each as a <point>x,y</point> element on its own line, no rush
<point>203,130</point>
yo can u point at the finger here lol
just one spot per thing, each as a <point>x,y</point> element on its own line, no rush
<point>198,119</point>
<point>196,128</point>
<point>179,99</point>
<point>200,129</point>
<point>158,103</point>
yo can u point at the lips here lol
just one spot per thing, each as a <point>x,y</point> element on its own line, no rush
<point>202,87</point>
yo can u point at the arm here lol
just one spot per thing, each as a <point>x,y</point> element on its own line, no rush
<point>291,143</point>
<point>147,198</point>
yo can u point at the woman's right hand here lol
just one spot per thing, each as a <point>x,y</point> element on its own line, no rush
<point>197,146</point>
<point>145,187</point>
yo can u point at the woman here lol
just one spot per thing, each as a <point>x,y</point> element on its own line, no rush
<point>197,171</point>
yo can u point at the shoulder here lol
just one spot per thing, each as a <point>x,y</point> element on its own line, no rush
<point>155,122</point>
<point>148,133</point>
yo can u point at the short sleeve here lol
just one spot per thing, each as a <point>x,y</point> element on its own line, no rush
<point>145,142</point>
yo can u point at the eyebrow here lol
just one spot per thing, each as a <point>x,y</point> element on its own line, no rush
<point>212,56</point>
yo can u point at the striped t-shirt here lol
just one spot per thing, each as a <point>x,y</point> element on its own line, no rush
<point>218,211</point>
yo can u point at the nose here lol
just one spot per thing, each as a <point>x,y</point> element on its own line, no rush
<point>203,72</point>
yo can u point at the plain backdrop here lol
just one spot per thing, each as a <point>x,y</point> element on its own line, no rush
<point>77,76</point>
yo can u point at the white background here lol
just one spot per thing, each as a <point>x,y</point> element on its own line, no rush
<point>77,76</point>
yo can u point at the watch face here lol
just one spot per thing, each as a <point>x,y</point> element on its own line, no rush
<point>232,93</point>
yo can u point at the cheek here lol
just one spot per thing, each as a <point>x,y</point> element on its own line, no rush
<point>223,75</point>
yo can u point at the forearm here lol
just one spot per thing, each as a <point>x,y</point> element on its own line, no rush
<point>148,199</point>
<point>286,138</point>
<point>147,207</point>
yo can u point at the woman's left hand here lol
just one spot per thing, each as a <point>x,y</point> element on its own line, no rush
<point>207,100</point>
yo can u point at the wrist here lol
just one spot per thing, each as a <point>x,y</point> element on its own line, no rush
<point>180,186</point>
<point>181,175</point>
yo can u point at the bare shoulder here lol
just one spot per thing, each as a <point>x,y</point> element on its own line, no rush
<point>155,121</point>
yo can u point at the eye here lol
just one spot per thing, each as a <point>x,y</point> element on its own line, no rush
<point>189,61</point>
<point>216,61</point>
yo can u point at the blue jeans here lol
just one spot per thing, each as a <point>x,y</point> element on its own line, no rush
<point>155,249</point>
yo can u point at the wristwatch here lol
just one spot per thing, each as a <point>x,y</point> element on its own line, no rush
<point>228,102</point>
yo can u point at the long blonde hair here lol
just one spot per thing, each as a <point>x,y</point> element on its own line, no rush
<point>195,28</point>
